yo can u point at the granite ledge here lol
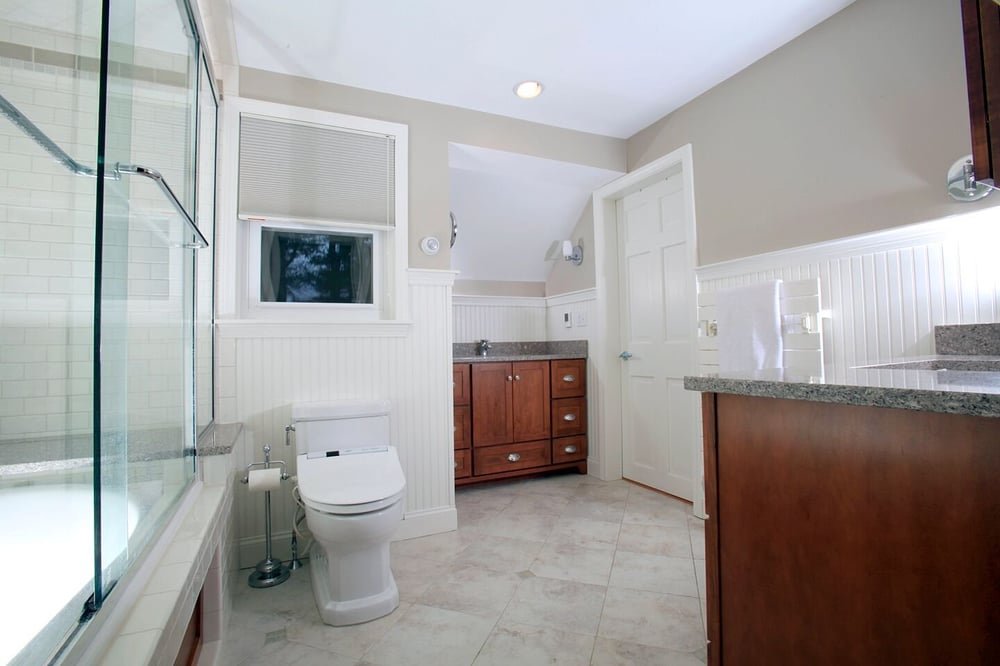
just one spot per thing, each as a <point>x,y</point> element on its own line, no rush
<point>218,439</point>
<point>861,391</point>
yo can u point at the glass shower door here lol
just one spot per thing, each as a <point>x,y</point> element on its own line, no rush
<point>49,87</point>
<point>146,303</point>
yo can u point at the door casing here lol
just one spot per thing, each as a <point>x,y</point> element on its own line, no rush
<point>608,415</point>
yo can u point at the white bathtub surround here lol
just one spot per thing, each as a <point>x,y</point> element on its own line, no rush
<point>147,613</point>
<point>265,369</point>
<point>750,327</point>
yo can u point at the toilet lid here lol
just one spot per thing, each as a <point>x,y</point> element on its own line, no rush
<point>347,480</point>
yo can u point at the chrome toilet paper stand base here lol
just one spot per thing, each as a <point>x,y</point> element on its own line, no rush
<point>269,571</point>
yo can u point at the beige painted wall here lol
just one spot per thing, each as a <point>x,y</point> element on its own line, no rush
<point>849,128</point>
<point>431,127</point>
<point>565,277</point>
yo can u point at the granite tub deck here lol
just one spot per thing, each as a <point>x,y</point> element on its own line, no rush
<point>465,352</point>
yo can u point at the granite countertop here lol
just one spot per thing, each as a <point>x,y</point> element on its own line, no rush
<point>465,352</point>
<point>931,384</point>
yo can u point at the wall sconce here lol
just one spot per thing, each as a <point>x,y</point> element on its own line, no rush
<point>572,252</point>
<point>962,183</point>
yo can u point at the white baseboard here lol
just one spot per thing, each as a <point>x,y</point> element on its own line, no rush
<point>425,523</point>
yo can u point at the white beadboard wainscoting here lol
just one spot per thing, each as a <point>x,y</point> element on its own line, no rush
<point>498,318</point>
<point>886,291</point>
<point>265,368</point>
<point>524,318</point>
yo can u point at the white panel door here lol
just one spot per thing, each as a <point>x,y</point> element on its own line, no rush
<point>659,426</point>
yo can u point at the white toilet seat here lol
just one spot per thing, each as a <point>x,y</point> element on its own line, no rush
<point>351,484</point>
<point>350,509</point>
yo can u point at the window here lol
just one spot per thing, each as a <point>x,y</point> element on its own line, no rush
<point>321,214</point>
<point>300,266</point>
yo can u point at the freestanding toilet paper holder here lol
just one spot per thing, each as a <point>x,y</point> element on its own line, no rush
<point>269,571</point>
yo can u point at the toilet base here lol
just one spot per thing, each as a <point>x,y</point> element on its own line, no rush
<point>352,611</point>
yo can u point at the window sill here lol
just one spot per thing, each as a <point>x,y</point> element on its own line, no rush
<point>256,328</point>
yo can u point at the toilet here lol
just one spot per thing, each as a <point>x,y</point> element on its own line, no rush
<point>351,485</point>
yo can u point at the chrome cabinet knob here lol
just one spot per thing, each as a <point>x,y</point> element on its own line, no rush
<point>514,457</point>
<point>569,378</point>
<point>569,417</point>
<point>509,378</point>
<point>569,449</point>
<point>456,464</point>
<point>517,378</point>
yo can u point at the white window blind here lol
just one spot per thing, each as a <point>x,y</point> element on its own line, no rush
<point>305,171</point>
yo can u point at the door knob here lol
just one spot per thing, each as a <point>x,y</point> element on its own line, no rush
<point>625,355</point>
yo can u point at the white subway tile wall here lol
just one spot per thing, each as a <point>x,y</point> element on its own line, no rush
<point>47,234</point>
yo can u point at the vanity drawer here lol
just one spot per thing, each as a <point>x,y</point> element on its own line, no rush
<point>463,427</point>
<point>462,467</point>
<point>460,383</point>
<point>569,417</point>
<point>569,449</point>
<point>569,378</point>
<point>508,457</point>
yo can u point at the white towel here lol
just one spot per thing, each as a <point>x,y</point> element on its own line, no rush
<point>749,320</point>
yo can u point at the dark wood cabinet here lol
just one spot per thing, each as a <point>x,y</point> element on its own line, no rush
<point>462,385</point>
<point>512,412</point>
<point>510,402</point>
<point>842,534</point>
<point>492,400</point>
<point>981,22</point>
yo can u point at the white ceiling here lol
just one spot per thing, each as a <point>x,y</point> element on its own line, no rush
<point>610,67</point>
<point>510,208</point>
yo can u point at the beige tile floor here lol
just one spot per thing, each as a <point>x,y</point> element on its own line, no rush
<point>559,570</point>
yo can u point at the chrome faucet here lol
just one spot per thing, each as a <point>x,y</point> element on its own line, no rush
<point>483,346</point>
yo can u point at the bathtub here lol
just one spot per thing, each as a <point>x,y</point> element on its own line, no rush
<point>48,538</point>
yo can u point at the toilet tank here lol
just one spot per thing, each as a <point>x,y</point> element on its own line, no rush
<point>333,426</point>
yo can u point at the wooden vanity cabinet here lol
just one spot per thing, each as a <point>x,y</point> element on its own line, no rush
<point>461,383</point>
<point>512,409</point>
<point>846,534</point>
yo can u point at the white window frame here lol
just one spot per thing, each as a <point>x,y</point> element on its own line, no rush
<point>390,260</point>
<point>313,311</point>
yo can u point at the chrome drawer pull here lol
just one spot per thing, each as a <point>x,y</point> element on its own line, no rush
<point>569,378</point>
<point>569,449</point>
<point>514,457</point>
<point>569,417</point>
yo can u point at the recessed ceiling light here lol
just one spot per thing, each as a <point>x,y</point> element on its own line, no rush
<point>528,89</point>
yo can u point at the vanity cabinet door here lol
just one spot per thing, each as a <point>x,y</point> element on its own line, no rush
<point>492,396</point>
<point>530,396</point>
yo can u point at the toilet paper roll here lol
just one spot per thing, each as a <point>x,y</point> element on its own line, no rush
<point>264,479</point>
